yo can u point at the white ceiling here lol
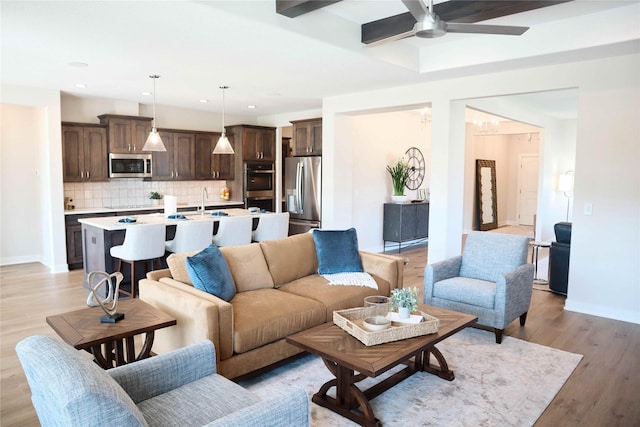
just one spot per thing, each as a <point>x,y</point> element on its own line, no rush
<point>276,63</point>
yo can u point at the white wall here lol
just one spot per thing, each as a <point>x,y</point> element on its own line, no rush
<point>22,134</point>
<point>48,160</point>
<point>381,139</point>
<point>605,246</point>
<point>604,274</point>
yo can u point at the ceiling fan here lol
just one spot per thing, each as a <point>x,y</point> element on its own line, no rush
<point>429,25</point>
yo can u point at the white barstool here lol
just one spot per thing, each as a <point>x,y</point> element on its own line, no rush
<point>191,235</point>
<point>233,231</point>
<point>271,226</point>
<point>142,242</point>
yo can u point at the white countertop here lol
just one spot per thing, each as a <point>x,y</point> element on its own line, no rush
<point>194,205</point>
<point>111,223</point>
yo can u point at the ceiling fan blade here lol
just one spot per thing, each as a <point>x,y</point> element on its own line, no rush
<point>391,38</point>
<point>454,27</point>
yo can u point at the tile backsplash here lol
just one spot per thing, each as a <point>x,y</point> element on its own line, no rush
<point>135,192</point>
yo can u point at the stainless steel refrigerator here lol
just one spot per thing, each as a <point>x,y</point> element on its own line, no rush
<point>303,192</point>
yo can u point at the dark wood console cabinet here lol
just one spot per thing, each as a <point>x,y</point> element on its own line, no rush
<point>404,222</point>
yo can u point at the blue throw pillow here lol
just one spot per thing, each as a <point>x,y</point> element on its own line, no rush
<point>209,272</point>
<point>337,251</point>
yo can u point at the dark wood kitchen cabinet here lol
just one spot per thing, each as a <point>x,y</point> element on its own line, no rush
<point>209,165</point>
<point>307,137</point>
<point>84,153</point>
<point>126,134</point>
<point>257,142</point>
<point>177,163</point>
<point>74,238</point>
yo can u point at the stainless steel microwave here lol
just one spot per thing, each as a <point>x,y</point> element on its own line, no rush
<point>129,165</point>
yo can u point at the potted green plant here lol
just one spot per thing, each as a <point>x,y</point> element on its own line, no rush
<point>399,172</point>
<point>155,197</point>
<point>405,300</point>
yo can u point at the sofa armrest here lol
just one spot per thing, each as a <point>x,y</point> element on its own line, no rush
<point>387,267</point>
<point>157,375</point>
<point>199,315</point>
<point>159,274</point>
<point>433,273</point>
<point>283,410</point>
<point>513,293</point>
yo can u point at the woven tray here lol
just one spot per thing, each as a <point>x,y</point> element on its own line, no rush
<point>351,320</point>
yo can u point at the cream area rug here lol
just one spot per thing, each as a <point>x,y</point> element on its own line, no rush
<point>508,384</point>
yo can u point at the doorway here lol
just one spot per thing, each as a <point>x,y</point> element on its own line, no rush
<point>527,188</point>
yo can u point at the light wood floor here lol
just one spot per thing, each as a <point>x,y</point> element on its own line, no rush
<point>603,390</point>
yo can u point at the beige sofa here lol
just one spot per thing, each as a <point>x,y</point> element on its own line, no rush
<point>278,294</point>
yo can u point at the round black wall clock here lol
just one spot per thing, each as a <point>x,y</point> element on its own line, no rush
<point>415,159</point>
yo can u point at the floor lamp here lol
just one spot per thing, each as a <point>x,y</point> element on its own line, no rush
<point>565,184</point>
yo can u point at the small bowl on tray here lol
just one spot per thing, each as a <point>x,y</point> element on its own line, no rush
<point>376,323</point>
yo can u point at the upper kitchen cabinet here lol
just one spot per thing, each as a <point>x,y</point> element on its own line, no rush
<point>126,134</point>
<point>257,142</point>
<point>307,137</point>
<point>84,152</point>
<point>177,163</point>
<point>209,165</point>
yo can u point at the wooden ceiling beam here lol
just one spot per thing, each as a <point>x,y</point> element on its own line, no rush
<point>465,11</point>
<point>294,8</point>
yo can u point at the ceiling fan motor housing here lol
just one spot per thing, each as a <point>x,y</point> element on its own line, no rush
<point>430,29</point>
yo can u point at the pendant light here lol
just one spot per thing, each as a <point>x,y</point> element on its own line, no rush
<point>154,142</point>
<point>223,146</point>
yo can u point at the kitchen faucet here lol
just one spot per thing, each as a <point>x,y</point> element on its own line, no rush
<point>204,194</point>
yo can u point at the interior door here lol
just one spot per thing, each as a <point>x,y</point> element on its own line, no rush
<point>528,189</point>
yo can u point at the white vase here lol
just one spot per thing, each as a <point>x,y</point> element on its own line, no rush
<point>403,312</point>
<point>399,199</point>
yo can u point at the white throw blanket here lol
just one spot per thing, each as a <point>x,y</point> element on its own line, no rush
<point>351,279</point>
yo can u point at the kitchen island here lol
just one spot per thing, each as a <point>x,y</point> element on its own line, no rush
<point>100,234</point>
<point>73,228</point>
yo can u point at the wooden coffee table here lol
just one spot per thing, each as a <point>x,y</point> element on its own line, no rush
<point>344,355</point>
<point>111,344</point>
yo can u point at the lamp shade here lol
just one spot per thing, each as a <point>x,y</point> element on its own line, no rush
<point>565,183</point>
<point>223,146</point>
<point>154,142</point>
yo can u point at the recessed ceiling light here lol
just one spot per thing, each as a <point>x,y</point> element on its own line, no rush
<point>251,107</point>
<point>204,101</point>
<point>147,93</point>
<point>80,85</point>
<point>78,64</point>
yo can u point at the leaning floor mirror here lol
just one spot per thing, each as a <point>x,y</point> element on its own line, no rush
<point>487,206</point>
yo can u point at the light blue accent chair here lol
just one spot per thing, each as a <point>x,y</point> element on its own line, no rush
<point>180,388</point>
<point>491,280</point>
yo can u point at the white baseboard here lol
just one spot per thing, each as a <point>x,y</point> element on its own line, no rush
<point>20,259</point>
<point>601,311</point>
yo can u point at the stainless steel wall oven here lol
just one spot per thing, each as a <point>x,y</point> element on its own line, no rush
<point>259,185</point>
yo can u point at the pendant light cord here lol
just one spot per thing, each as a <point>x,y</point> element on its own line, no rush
<point>224,131</point>
<point>154,77</point>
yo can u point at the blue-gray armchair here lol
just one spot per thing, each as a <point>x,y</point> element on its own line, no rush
<point>180,388</point>
<point>491,280</point>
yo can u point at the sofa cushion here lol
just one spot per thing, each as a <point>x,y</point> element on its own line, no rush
<point>267,315</point>
<point>337,251</point>
<point>488,256</point>
<point>177,263</point>
<point>210,272</point>
<point>194,403</point>
<point>480,293</point>
<point>334,297</point>
<point>70,389</point>
<point>291,258</point>
<point>248,267</point>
